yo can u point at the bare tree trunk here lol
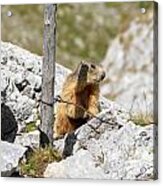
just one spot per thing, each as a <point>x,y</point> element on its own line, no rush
<point>48,69</point>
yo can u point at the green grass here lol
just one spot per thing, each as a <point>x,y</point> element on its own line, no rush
<point>38,160</point>
<point>30,127</point>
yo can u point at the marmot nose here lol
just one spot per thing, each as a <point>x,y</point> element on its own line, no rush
<point>102,75</point>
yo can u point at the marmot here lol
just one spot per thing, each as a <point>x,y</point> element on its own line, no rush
<point>81,88</point>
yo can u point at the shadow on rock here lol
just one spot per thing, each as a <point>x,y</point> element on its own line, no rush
<point>9,125</point>
<point>70,140</point>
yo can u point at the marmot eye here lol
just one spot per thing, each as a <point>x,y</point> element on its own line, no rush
<point>93,66</point>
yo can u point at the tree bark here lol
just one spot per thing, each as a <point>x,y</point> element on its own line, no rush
<point>48,70</point>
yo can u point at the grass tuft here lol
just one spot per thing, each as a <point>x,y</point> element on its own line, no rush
<point>38,160</point>
<point>142,119</point>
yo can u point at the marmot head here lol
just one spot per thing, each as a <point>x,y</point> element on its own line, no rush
<point>91,73</point>
<point>95,74</point>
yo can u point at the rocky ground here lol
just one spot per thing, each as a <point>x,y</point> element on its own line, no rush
<point>111,147</point>
<point>20,96</point>
<point>101,151</point>
<point>21,84</point>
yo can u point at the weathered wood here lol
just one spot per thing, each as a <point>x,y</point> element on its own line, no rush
<point>48,69</point>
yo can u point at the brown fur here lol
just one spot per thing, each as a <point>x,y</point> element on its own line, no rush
<point>83,91</point>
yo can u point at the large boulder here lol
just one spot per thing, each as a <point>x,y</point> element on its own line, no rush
<point>108,147</point>
<point>10,156</point>
<point>130,66</point>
